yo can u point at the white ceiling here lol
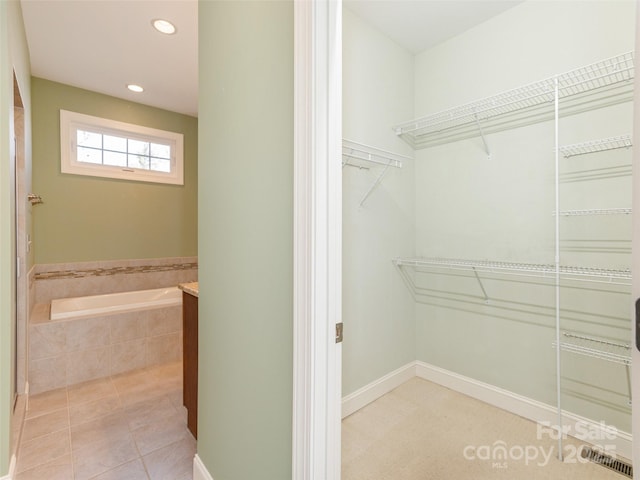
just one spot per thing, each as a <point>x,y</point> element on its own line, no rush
<point>104,45</point>
<point>421,24</point>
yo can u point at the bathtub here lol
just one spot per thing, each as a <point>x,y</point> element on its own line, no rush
<point>114,303</point>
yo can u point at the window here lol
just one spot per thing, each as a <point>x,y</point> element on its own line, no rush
<point>106,148</point>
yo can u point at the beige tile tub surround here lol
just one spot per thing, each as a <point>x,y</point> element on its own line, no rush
<point>67,352</point>
<point>64,353</point>
<point>64,280</point>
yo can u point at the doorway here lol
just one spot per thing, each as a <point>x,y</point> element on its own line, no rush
<point>483,321</point>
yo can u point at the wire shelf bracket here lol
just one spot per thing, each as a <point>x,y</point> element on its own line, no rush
<point>607,82</point>
<point>484,140</point>
<point>363,156</point>
<point>484,292</point>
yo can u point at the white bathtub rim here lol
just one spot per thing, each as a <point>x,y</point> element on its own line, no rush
<point>169,297</point>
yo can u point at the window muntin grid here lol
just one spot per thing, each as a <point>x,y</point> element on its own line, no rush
<point>106,148</point>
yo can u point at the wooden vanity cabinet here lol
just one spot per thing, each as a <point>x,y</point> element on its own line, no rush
<point>190,359</point>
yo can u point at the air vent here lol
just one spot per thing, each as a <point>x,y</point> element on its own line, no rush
<point>607,461</point>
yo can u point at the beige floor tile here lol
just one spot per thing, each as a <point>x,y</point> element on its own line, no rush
<point>91,390</point>
<point>173,462</point>
<point>99,417</point>
<point>58,469</point>
<point>146,412</point>
<point>45,424</point>
<point>155,435</point>
<point>103,456</point>
<point>137,385</point>
<point>133,470</point>
<point>148,393</point>
<point>44,449</point>
<point>108,428</point>
<point>47,402</point>
<point>94,409</point>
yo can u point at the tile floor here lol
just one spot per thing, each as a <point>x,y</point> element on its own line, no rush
<point>130,426</point>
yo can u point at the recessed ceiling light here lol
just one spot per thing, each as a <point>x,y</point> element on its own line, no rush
<point>164,26</point>
<point>135,88</point>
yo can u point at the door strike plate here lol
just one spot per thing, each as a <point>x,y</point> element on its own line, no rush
<point>339,332</point>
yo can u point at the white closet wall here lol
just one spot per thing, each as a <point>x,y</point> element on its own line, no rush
<point>378,311</point>
<point>502,208</point>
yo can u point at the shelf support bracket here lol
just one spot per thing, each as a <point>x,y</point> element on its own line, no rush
<point>484,140</point>
<point>375,184</point>
<point>627,367</point>
<point>484,292</point>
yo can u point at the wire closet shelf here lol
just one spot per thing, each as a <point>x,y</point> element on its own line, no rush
<point>600,275</point>
<point>595,146</point>
<point>595,211</point>
<point>360,155</point>
<point>601,349</point>
<point>363,156</point>
<point>610,79</point>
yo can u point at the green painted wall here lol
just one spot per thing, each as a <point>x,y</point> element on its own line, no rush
<point>245,239</point>
<point>14,55</point>
<point>89,218</point>
<point>6,287</point>
<point>377,309</point>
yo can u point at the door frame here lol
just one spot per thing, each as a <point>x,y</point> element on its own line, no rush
<point>317,304</point>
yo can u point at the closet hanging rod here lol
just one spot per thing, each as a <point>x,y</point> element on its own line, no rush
<point>594,146</point>
<point>602,275</point>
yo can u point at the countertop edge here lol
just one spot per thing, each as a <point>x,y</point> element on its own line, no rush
<point>191,288</point>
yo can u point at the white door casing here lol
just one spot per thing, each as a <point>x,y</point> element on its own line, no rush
<point>317,239</point>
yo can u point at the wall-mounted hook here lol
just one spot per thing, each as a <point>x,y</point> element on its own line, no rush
<point>34,199</point>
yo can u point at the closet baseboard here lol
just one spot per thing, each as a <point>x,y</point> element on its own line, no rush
<point>371,392</point>
<point>200,472</point>
<point>584,429</point>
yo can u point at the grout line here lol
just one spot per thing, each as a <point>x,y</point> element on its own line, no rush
<point>71,456</point>
<point>157,380</point>
<point>133,438</point>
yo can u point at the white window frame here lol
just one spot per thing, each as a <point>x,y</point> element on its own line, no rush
<point>71,122</point>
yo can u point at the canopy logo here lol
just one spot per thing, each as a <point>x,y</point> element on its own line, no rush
<point>541,452</point>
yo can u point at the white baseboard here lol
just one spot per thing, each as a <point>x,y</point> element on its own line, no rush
<point>367,394</point>
<point>542,413</point>
<point>200,472</point>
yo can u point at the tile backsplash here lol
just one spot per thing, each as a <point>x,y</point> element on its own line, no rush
<point>64,280</point>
